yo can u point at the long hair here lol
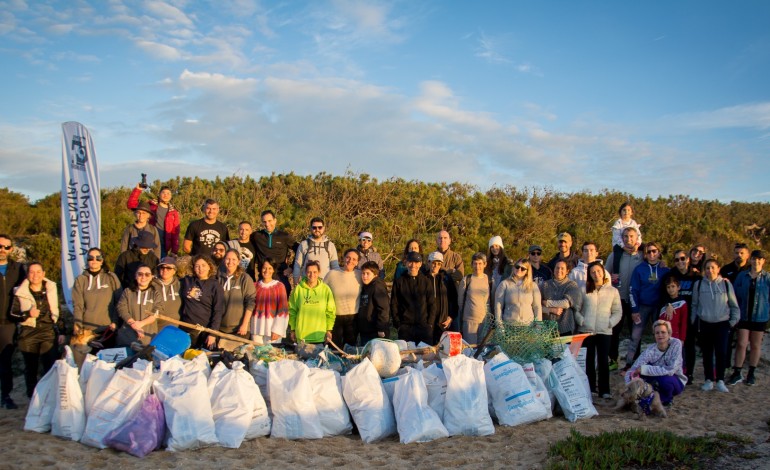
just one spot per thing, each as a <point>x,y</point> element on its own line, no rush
<point>590,283</point>
<point>406,247</point>
<point>500,266</point>
<point>271,262</point>
<point>527,283</point>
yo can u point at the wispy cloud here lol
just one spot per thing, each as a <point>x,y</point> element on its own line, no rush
<point>749,115</point>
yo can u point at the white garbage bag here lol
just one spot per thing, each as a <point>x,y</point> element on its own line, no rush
<point>465,408</point>
<point>99,377</point>
<point>233,397</point>
<point>435,381</point>
<point>368,403</point>
<point>43,403</point>
<point>85,371</point>
<point>119,400</point>
<point>538,387</point>
<point>568,382</point>
<point>69,417</point>
<point>415,419</point>
<point>513,399</point>
<point>327,393</point>
<point>182,388</point>
<point>295,415</point>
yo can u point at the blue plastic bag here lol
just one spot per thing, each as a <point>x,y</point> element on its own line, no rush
<point>143,432</point>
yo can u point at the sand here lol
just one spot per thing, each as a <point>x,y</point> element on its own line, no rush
<point>743,412</point>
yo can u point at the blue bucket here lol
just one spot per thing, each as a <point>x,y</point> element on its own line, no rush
<point>169,342</point>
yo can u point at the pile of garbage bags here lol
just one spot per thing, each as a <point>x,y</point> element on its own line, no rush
<point>185,404</point>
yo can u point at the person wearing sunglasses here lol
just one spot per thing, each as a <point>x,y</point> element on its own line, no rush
<point>540,271</point>
<point>697,258</point>
<point>645,294</point>
<point>12,274</point>
<point>686,278</point>
<point>95,294</point>
<point>316,247</point>
<point>136,307</point>
<point>167,282</point>
<point>517,299</point>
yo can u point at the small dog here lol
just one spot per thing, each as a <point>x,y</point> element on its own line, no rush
<point>79,345</point>
<point>641,398</point>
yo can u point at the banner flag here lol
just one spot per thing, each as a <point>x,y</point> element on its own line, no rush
<point>81,203</point>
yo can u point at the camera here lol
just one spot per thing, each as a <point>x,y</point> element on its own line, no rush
<point>144,184</point>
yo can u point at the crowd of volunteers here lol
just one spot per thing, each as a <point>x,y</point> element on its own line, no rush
<point>266,287</point>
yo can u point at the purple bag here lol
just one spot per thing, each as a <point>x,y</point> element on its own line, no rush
<point>143,432</point>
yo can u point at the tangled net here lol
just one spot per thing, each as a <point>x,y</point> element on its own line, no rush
<point>526,343</point>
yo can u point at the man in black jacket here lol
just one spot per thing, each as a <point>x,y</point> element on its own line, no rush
<point>129,261</point>
<point>274,244</point>
<point>412,305</point>
<point>373,316</point>
<point>11,275</point>
<point>444,295</point>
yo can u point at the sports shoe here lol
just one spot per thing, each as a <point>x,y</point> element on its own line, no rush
<point>606,396</point>
<point>721,387</point>
<point>736,378</point>
<point>750,380</point>
<point>613,364</point>
<point>707,386</point>
<point>8,403</point>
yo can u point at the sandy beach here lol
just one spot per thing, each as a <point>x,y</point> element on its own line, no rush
<point>743,412</point>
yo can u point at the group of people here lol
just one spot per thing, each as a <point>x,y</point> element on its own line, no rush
<point>265,287</point>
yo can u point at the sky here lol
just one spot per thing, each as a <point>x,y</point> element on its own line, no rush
<point>648,98</point>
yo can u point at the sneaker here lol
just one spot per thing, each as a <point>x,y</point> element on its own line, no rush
<point>613,364</point>
<point>606,396</point>
<point>8,403</point>
<point>689,380</point>
<point>750,380</point>
<point>735,379</point>
<point>721,387</point>
<point>668,404</point>
<point>708,386</point>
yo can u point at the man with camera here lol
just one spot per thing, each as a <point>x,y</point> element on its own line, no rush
<point>164,217</point>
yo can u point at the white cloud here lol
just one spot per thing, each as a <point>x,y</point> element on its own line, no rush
<point>169,13</point>
<point>750,115</point>
<point>216,82</point>
<point>159,51</point>
<point>438,101</point>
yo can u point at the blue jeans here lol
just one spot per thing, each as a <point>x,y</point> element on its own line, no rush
<point>646,312</point>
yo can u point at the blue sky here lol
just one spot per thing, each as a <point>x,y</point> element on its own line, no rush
<point>650,98</point>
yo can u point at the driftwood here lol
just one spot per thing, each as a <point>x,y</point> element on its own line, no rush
<point>206,330</point>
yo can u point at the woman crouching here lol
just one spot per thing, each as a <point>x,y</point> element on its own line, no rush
<point>661,364</point>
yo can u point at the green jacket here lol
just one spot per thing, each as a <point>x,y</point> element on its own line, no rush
<point>311,311</point>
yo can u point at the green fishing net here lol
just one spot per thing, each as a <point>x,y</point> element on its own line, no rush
<point>526,343</point>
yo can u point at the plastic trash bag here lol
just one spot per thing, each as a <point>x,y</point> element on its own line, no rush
<point>295,415</point>
<point>327,394</point>
<point>415,419</point>
<point>69,417</point>
<point>368,403</point>
<point>466,405</point>
<point>435,382</point>
<point>513,398</point>
<point>568,382</point>
<point>143,432</point>
<point>234,398</point>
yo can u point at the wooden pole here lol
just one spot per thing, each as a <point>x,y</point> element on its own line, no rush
<point>206,330</point>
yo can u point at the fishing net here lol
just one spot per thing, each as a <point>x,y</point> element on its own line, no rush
<point>526,343</point>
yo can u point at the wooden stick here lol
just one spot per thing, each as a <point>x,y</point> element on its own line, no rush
<point>206,330</point>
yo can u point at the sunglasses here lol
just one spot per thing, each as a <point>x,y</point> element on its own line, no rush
<point>94,258</point>
<point>681,258</point>
<point>317,227</point>
<point>519,267</point>
<point>650,252</point>
<point>536,253</point>
<point>163,268</point>
<point>6,247</point>
<point>699,252</point>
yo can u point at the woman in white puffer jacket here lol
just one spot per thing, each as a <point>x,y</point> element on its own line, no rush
<point>600,312</point>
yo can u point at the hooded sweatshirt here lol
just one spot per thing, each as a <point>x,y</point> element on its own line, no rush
<point>203,301</point>
<point>714,301</point>
<point>172,299</point>
<point>563,294</point>
<point>311,311</point>
<point>240,294</point>
<point>373,308</point>
<point>140,304</point>
<point>322,251</point>
<point>94,298</point>
<point>645,285</point>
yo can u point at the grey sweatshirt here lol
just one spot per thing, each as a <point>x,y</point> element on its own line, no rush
<point>714,301</point>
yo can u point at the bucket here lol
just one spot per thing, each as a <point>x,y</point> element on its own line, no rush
<point>169,342</point>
